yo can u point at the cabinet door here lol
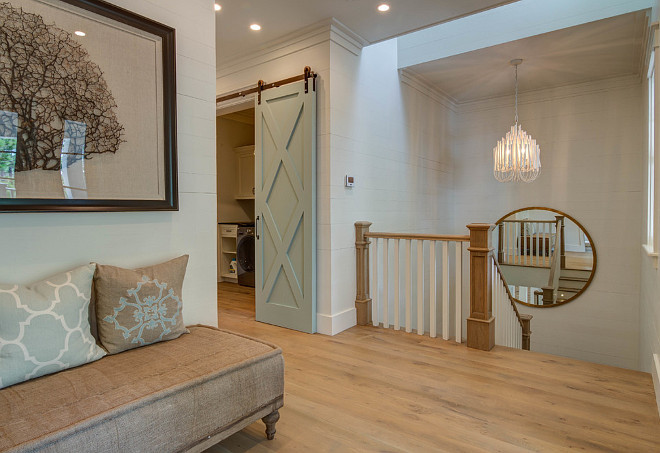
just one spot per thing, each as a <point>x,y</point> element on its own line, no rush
<point>245,186</point>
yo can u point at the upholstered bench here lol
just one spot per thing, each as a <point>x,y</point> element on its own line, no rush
<point>184,394</point>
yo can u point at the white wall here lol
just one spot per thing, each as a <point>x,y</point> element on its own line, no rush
<point>592,147</point>
<point>393,137</point>
<point>649,334</point>
<point>37,245</point>
<point>231,135</point>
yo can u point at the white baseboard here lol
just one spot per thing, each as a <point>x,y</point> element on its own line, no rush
<point>333,324</point>
<point>655,371</point>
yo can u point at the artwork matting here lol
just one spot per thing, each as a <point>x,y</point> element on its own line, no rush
<point>105,134</point>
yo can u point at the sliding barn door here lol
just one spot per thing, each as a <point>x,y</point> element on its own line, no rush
<point>285,204</point>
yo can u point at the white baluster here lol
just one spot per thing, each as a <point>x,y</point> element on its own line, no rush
<point>420,287</point>
<point>525,248</point>
<point>432,285</point>
<point>408,288</point>
<point>459,289</point>
<point>374,285</point>
<point>445,290</point>
<point>397,278</point>
<point>518,242</point>
<point>543,228</point>
<point>386,298</point>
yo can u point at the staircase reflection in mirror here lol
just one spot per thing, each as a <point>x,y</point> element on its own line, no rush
<point>547,257</point>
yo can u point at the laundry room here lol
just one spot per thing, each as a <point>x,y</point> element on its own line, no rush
<point>235,172</point>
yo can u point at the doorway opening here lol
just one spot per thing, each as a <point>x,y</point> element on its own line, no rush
<point>235,141</point>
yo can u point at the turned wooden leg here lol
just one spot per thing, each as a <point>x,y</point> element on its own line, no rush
<point>270,421</point>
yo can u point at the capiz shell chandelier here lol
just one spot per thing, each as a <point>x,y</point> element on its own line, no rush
<point>517,157</point>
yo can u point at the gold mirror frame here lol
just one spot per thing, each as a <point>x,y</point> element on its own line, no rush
<point>593,251</point>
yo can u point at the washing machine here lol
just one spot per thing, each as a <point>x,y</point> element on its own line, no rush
<point>245,255</point>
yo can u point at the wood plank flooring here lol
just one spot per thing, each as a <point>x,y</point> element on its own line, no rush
<point>371,389</point>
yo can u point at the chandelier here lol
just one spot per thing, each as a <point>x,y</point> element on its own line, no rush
<point>516,157</point>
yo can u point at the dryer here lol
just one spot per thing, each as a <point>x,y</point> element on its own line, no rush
<point>245,255</point>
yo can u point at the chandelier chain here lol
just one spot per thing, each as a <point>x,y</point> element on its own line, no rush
<point>516,94</point>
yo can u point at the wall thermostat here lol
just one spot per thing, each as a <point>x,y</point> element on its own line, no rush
<point>349,181</point>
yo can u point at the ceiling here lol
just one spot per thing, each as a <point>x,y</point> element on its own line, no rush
<point>242,116</point>
<point>279,18</point>
<point>597,50</point>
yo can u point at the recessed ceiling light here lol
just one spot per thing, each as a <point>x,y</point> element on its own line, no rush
<point>255,27</point>
<point>80,33</point>
<point>383,7</point>
<point>217,7</point>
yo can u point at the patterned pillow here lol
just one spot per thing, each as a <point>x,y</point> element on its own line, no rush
<point>44,326</point>
<point>141,306</point>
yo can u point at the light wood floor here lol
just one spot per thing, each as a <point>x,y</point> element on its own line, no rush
<point>369,389</point>
<point>574,260</point>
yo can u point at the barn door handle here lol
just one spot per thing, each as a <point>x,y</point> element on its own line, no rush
<point>256,228</point>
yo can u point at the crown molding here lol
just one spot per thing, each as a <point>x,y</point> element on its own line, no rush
<point>549,94</point>
<point>419,83</point>
<point>312,35</point>
<point>347,38</point>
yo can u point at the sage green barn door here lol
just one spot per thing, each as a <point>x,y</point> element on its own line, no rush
<point>285,204</point>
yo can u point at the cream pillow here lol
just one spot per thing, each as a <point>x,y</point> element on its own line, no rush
<point>137,307</point>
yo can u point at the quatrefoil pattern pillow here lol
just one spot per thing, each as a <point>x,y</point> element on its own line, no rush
<point>137,307</point>
<point>44,326</point>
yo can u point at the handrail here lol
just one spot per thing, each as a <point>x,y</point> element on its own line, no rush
<point>528,221</point>
<point>508,291</point>
<point>419,237</point>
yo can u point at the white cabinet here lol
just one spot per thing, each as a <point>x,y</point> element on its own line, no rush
<point>245,172</point>
<point>227,246</point>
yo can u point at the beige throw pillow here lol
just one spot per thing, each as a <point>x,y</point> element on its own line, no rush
<point>140,306</point>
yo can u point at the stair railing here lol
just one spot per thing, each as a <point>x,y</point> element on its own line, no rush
<point>378,266</point>
<point>514,330</point>
<point>525,242</point>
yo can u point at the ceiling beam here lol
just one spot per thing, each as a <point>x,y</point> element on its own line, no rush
<point>507,23</point>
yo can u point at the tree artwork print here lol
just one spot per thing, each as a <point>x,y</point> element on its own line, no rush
<point>47,80</point>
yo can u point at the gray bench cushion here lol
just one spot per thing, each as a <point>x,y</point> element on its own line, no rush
<point>164,397</point>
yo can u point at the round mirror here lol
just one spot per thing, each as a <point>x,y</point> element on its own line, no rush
<point>547,258</point>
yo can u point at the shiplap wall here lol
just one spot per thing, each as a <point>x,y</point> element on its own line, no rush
<point>393,137</point>
<point>592,151</point>
<point>37,245</point>
<point>649,310</point>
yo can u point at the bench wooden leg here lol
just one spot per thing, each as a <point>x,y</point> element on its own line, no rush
<point>270,421</point>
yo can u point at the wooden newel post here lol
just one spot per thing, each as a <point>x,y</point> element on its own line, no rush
<point>480,324</point>
<point>526,331</point>
<point>500,243</point>
<point>560,224</point>
<point>362,298</point>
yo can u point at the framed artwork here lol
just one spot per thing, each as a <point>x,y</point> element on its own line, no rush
<point>87,108</point>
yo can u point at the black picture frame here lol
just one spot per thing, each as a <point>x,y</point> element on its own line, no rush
<point>171,200</point>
